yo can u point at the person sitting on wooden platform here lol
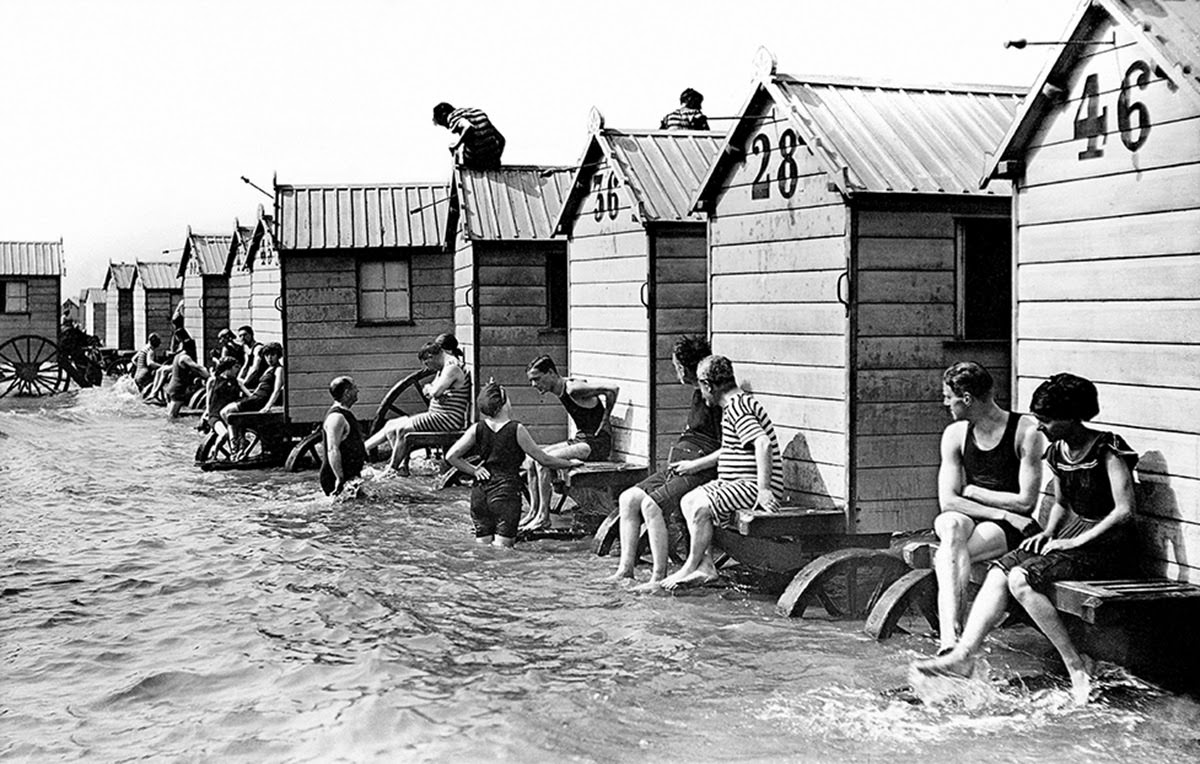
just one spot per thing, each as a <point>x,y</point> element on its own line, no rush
<point>589,406</point>
<point>503,444</point>
<point>988,487</point>
<point>688,116</point>
<point>145,363</point>
<point>749,470</point>
<point>253,364</point>
<point>221,390</point>
<point>185,371</point>
<point>264,395</point>
<point>1087,533</point>
<point>449,400</point>
<point>691,463</point>
<point>345,453</point>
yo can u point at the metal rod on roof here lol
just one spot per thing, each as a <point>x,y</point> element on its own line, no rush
<point>423,207</point>
<point>1021,43</point>
<point>257,187</point>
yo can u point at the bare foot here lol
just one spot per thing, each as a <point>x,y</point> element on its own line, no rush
<point>670,581</point>
<point>957,664</point>
<point>535,522</point>
<point>650,587</point>
<point>695,578</point>
<point>1081,681</point>
<point>619,577</point>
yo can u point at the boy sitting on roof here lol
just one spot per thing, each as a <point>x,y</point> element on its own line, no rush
<point>480,142</point>
<point>688,116</point>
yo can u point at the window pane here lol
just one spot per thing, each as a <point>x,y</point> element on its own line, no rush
<point>371,275</point>
<point>16,298</point>
<point>371,306</point>
<point>396,276</point>
<point>397,306</point>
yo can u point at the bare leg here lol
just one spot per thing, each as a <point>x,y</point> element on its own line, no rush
<point>483,539</point>
<point>629,505</point>
<point>962,541</point>
<point>506,542</point>
<point>986,613</point>
<point>540,491</point>
<point>656,531</point>
<point>173,409</point>
<point>1045,615</point>
<point>699,567</point>
<point>399,460</point>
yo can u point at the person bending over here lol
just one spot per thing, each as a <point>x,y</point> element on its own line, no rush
<point>449,400</point>
<point>749,470</point>
<point>589,406</point>
<point>345,453</point>
<point>1087,534</point>
<point>265,395</point>
<point>988,486</point>
<point>185,372</point>
<point>144,362</point>
<point>502,443</point>
<point>691,463</point>
<point>477,144</point>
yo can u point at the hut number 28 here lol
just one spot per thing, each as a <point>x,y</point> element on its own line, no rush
<point>1091,122</point>
<point>788,174</point>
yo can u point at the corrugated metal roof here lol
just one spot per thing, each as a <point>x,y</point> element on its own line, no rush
<point>1173,27</point>
<point>210,251</point>
<point>239,243</point>
<point>93,295</point>
<point>122,273</point>
<point>362,216</point>
<point>159,275</point>
<point>899,138</point>
<point>662,169</point>
<point>30,258</point>
<point>517,202</point>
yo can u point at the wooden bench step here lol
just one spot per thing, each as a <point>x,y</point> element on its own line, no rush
<point>615,475</point>
<point>790,521</point>
<point>1111,601</point>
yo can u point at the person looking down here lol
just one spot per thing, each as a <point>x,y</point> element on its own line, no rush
<point>477,144</point>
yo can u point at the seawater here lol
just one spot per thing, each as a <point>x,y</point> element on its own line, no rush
<point>153,611</point>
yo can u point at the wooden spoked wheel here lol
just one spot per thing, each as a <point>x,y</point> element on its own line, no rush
<point>218,448</point>
<point>915,590</point>
<point>403,399</point>
<point>29,366</point>
<point>307,453</point>
<point>199,401</point>
<point>847,583</point>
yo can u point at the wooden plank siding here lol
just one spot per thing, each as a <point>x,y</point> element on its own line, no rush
<point>1108,280</point>
<point>214,312</point>
<point>465,294</point>
<point>97,322</point>
<point>266,315</point>
<point>44,300</point>
<point>324,338</point>
<point>240,285</point>
<point>152,311</point>
<point>119,328</point>
<point>905,296</point>
<point>773,270</point>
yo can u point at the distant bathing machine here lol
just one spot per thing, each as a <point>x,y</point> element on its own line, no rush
<point>205,279</point>
<point>156,291</point>
<point>30,288</point>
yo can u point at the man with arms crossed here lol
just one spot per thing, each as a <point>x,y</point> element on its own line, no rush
<point>988,486</point>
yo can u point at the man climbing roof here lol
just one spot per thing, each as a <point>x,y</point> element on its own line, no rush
<point>478,144</point>
<point>688,116</point>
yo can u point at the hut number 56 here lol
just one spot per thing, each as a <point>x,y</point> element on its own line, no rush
<point>1091,122</point>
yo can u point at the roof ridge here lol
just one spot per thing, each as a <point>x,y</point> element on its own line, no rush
<point>834,80</point>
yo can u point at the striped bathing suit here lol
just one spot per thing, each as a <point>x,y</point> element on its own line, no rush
<point>743,419</point>
<point>483,145</point>
<point>448,411</point>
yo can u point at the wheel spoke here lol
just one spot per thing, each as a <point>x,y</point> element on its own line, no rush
<point>36,357</point>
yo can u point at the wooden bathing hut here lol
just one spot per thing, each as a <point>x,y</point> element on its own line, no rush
<point>240,275</point>
<point>156,292</point>
<point>852,257</point>
<point>30,288</point>
<point>636,274</point>
<point>205,283</point>
<point>118,287</point>
<point>1104,160</point>
<point>366,280</point>
<point>92,318</point>
<point>70,310</point>
<point>262,261</point>
<point>510,280</point>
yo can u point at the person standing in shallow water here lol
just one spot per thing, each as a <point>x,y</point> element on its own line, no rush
<point>988,484</point>
<point>345,452</point>
<point>1087,534</point>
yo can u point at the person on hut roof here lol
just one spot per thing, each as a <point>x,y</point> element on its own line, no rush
<point>345,452</point>
<point>688,116</point>
<point>589,406</point>
<point>1088,534</point>
<point>749,471</point>
<point>477,144</point>
<point>988,486</point>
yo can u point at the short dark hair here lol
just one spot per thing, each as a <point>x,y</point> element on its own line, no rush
<point>717,372</point>
<point>968,377</point>
<point>273,348</point>
<point>543,364</point>
<point>449,343</point>
<point>1065,396</point>
<point>691,98</point>
<point>227,364</point>
<point>154,339</point>
<point>339,387</point>
<point>690,351</point>
<point>491,399</point>
<point>429,350</point>
<point>246,328</point>
<point>441,114</point>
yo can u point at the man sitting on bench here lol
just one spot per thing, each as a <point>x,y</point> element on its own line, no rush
<point>749,470</point>
<point>987,487</point>
<point>589,406</point>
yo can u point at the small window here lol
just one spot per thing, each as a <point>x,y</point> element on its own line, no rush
<point>556,291</point>
<point>384,294</point>
<point>15,297</point>
<point>984,279</point>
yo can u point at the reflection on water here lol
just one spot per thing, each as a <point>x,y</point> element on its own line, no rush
<point>149,609</point>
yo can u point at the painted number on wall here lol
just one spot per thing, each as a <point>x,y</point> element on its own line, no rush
<point>1133,118</point>
<point>788,175</point>
<point>607,202</point>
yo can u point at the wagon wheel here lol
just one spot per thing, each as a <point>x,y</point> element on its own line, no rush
<point>916,587</point>
<point>307,453</point>
<point>199,401</point>
<point>29,365</point>
<point>608,535</point>
<point>390,408</point>
<point>214,448</point>
<point>839,580</point>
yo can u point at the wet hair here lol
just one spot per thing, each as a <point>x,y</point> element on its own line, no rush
<point>1065,396</point>
<point>273,348</point>
<point>691,98</point>
<point>153,339</point>
<point>429,350</point>
<point>717,370</point>
<point>448,342</point>
<point>441,114</point>
<point>690,351</point>
<point>968,377</point>
<point>542,364</point>
<point>339,387</point>
<point>491,399</point>
<point>227,364</point>
<point>248,329</point>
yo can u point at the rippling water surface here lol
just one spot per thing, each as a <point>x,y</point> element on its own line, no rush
<point>152,610</point>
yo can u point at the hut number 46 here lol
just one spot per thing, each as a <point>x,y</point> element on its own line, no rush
<point>1091,122</point>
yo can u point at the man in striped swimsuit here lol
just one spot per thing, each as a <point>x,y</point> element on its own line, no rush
<point>749,470</point>
<point>480,142</point>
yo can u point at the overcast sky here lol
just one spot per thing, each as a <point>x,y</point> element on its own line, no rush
<point>123,122</point>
